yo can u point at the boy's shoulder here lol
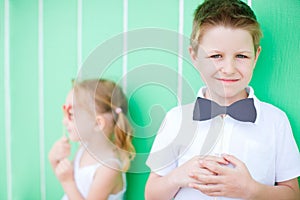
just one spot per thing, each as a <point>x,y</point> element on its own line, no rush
<point>270,111</point>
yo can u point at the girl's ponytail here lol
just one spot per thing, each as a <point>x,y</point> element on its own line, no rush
<point>122,139</point>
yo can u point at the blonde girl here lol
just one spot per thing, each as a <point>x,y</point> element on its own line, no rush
<point>95,116</point>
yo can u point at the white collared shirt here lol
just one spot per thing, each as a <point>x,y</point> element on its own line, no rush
<point>267,147</point>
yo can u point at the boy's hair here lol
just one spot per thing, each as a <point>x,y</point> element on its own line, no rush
<point>108,97</point>
<point>227,13</point>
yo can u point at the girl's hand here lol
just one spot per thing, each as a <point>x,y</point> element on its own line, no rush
<point>184,175</point>
<point>225,181</point>
<point>61,149</point>
<point>64,171</point>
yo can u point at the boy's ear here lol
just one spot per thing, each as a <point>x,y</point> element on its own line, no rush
<point>257,53</point>
<point>100,122</point>
<point>192,53</point>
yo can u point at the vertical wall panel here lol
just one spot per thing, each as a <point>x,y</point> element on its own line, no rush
<point>60,67</point>
<point>102,22</point>
<point>277,77</point>
<point>148,103</point>
<point>3,183</point>
<point>24,100</point>
<point>190,74</point>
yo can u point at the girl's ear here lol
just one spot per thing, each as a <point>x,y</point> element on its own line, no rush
<point>100,123</point>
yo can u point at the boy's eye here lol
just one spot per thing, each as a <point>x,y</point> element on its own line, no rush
<point>216,56</point>
<point>241,56</point>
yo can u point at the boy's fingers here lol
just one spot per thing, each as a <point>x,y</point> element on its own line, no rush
<point>217,159</point>
<point>206,179</point>
<point>233,160</point>
<point>213,166</point>
<point>202,171</point>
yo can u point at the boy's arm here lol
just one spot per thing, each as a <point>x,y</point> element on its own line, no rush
<point>160,187</point>
<point>288,190</point>
<point>165,187</point>
<point>237,182</point>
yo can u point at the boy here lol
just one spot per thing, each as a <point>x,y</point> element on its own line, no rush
<point>228,144</point>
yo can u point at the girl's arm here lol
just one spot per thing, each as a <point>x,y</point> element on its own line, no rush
<point>104,182</point>
<point>60,150</point>
<point>107,181</point>
<point>65,173</point>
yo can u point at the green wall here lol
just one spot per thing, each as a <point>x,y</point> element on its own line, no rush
<point>35,92</point>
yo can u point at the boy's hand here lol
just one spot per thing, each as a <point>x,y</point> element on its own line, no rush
<point>60,150</point>
<point>184,175</point>
<point>226,181</point>
<point>64,171</point>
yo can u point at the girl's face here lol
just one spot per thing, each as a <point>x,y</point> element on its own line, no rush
<point>80,119</point>
<point>225,60</point>
<point>68,118</point>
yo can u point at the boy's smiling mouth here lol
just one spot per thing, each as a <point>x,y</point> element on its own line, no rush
<point>228,80</point>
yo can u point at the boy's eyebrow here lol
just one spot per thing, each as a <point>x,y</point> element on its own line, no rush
<point>210,51</point>
<point>245,51</point>
<point>213,51</point>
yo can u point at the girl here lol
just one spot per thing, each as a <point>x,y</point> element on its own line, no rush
<point>94,115</point>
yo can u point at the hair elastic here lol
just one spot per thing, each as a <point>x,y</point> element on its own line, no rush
<point>118,110</point>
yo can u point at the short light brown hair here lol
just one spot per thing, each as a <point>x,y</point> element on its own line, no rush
<point>227,13</point>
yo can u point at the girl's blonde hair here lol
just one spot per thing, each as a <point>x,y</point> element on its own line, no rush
<point>228,13</point>
<point>108,97</point>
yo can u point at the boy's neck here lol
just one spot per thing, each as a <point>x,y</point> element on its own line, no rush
<point>223,101</point>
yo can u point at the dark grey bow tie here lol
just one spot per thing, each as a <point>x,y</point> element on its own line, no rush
<point>242,110</point>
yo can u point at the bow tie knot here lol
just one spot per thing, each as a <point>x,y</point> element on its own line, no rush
<point>242,110</point>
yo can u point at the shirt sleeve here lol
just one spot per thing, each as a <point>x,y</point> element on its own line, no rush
<point>287,155</point>
<point>162,158</point>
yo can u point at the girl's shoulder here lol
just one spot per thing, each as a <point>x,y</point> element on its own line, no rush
<point>109,176</point>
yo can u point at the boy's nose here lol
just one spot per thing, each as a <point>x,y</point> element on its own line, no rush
<point>228,66</point>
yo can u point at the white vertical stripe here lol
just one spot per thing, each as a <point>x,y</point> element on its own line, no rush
<point>41,99</point>
<point>79,34</point>
<point>125,30</point>
<point>7,100</point>
<point>180,49</point>
<point>250,3</point>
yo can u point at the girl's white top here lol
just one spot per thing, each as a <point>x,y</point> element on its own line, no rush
<point>84,177</point>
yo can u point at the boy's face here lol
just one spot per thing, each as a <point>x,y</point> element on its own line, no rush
<point>225,60</point>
